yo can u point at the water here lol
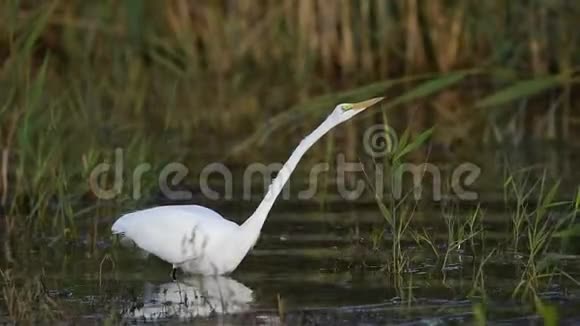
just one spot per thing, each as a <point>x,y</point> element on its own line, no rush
<point>310,268</point>
<point>313,266</point>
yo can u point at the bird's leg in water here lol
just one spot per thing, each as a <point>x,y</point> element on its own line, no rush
<point>173,271</point>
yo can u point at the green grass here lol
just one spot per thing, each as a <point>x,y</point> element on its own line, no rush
<point>79,80</point>
<point>27,301</point>
<point>536,245</point>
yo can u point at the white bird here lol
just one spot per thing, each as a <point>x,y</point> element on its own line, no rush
<point>199,240</point>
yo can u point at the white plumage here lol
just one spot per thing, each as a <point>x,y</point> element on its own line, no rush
<point>182,235</point>
<point>199,240</point>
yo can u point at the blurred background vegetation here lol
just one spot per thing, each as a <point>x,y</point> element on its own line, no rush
<point>202,81</point>
<point>238,82</point>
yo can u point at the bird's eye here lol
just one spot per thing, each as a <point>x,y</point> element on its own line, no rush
<point>346,107</point>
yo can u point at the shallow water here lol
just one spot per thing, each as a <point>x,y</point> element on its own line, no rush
<point>308,268</point>
<point>323,272</point>
<point>314,264</point>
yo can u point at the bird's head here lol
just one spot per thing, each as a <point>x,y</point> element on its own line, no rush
<point>345,111</point>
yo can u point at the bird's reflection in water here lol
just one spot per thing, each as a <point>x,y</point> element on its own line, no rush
<point>200,296</point>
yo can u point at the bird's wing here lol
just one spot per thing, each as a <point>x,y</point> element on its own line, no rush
<point>174,233</point>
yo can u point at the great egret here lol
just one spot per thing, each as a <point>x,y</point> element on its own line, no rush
<point>198,239</point>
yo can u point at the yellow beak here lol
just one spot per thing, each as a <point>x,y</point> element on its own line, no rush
<point>365,104</point>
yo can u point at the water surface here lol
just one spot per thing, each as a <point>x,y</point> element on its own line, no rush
<point>314,264</point>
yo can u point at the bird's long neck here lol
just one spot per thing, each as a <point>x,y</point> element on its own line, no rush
<point>254,223</point>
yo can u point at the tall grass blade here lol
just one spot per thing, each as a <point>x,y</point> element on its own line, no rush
<point>37,27</point>
<point>429,88</point>
<point>523,89</point>
<point>417,142</point>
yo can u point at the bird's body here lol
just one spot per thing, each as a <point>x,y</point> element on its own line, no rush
<point>199,240</point>
<point>189,232</point>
